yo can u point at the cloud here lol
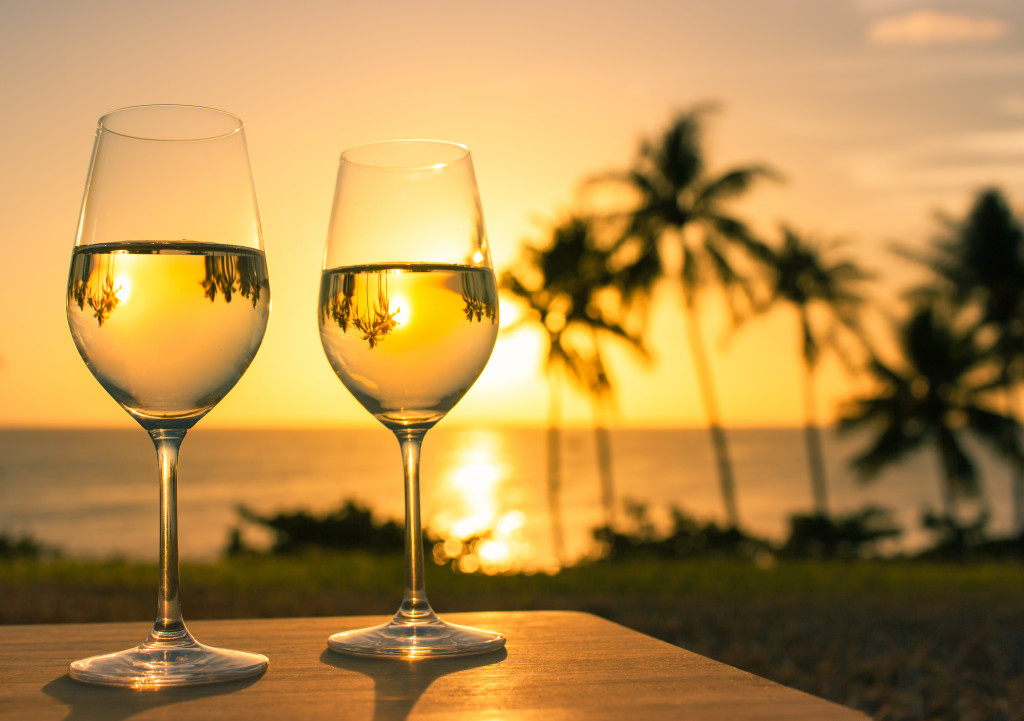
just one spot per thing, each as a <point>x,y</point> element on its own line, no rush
<point>939,162</point>
<point>935,27</point>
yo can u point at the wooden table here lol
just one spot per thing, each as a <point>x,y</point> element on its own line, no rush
<point>556,665</point>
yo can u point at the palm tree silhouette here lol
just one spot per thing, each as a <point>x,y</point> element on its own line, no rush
<point>680,202</point>
<point>979,262</point>
<point>937,398</point>
<point>562,287</point>
<point>827,299</point>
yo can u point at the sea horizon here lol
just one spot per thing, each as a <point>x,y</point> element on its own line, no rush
<point>93,491</point>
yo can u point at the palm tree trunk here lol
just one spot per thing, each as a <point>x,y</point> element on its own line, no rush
<point>947,490</point>
<point>706,386</point>
<point>603,442</point>
<point>554,432</point>
<point>1018,502</point>
<point>1017,481</point>
<point>600,404</point>
<point>812,433</point>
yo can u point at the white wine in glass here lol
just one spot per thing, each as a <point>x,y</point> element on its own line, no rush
<point>408,317</point>
<point>168,299</point>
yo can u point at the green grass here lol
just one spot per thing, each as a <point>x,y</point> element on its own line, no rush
<point>899,640</point>
<point>262,586</point>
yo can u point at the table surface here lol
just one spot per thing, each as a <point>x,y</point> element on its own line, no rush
<point>556,665</point>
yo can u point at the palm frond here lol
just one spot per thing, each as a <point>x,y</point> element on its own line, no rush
<point>999,432</point>
<point>890,446</point>
<point>732,184</point>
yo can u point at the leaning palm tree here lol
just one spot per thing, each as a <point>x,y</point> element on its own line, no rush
<point>937,398</point>
<point>979,262</point>
<point>680,202</point>
<point>561,287</point>
<point>826,296</point>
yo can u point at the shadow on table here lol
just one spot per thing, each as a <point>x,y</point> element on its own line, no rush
<point>398,684</point>
<point>85,701</point>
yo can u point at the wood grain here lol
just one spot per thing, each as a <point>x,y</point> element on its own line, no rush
<point>556,665</point>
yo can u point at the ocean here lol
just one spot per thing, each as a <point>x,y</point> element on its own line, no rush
<point>94,493</point>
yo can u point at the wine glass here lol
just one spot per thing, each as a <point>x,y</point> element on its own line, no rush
<point>408,317</point>
<point>168,300</point>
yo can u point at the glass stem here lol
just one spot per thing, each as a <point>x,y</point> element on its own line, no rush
<point>415,608</point>
<point>169,629</point>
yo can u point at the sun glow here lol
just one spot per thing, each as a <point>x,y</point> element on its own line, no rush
<point>402,311</point>
<point>480,534</point>
<point>509,313</point>
<point>122,288</point>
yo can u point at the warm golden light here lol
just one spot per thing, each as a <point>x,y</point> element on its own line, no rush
<point>480,533</point>
<point>842,180</point>
<point>122,288</point>
<point>402,309</point>
<point>509,313</point>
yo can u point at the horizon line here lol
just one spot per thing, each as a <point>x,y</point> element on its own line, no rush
<point>455,426</point>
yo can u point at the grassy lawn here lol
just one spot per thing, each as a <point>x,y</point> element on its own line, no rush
<point>898,640</point>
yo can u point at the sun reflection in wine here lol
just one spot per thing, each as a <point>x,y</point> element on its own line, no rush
<point>122,288</point>
<point>480,530</point>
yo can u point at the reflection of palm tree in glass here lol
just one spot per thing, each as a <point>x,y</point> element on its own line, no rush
<point>228,274</point>
<point>97,290</point>
<point>563,286</point>
<point>373,320</point>
<point>827,300</point>
<point>479,298</point>
<point>979,262</point>
<point>936,399</point>
<point>336,299</point>
<point>376,320</point>
<point>676,198</point>
<point>93,284</point>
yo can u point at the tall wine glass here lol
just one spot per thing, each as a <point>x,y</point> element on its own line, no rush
<point>408,317</point>
<point>168,301</point>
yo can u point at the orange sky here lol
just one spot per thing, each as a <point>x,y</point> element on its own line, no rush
<point>877,112</point>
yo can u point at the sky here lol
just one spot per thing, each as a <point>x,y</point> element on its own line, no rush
<point>876,113</point>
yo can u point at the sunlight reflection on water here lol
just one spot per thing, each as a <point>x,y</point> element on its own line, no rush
<point>484,491</point>
<point>480,531</point>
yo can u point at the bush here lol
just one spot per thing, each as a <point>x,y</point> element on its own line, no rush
<point>350,527</point>
<point>23,546</point>
<point>686,538</point>
<point>846,537</point>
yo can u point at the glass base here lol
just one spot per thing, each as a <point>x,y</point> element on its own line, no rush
<point>155,665</point>
<point>430,639</point>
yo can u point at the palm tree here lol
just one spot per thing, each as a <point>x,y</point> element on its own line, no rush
<point>681,203</point>
<point>566,288</point>
<point>936,399</point>
<point>980,263</point>
<point>827,300</point>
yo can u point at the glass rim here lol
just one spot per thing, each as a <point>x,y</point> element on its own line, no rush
<point>459,152</point>
<point>104,123</point>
